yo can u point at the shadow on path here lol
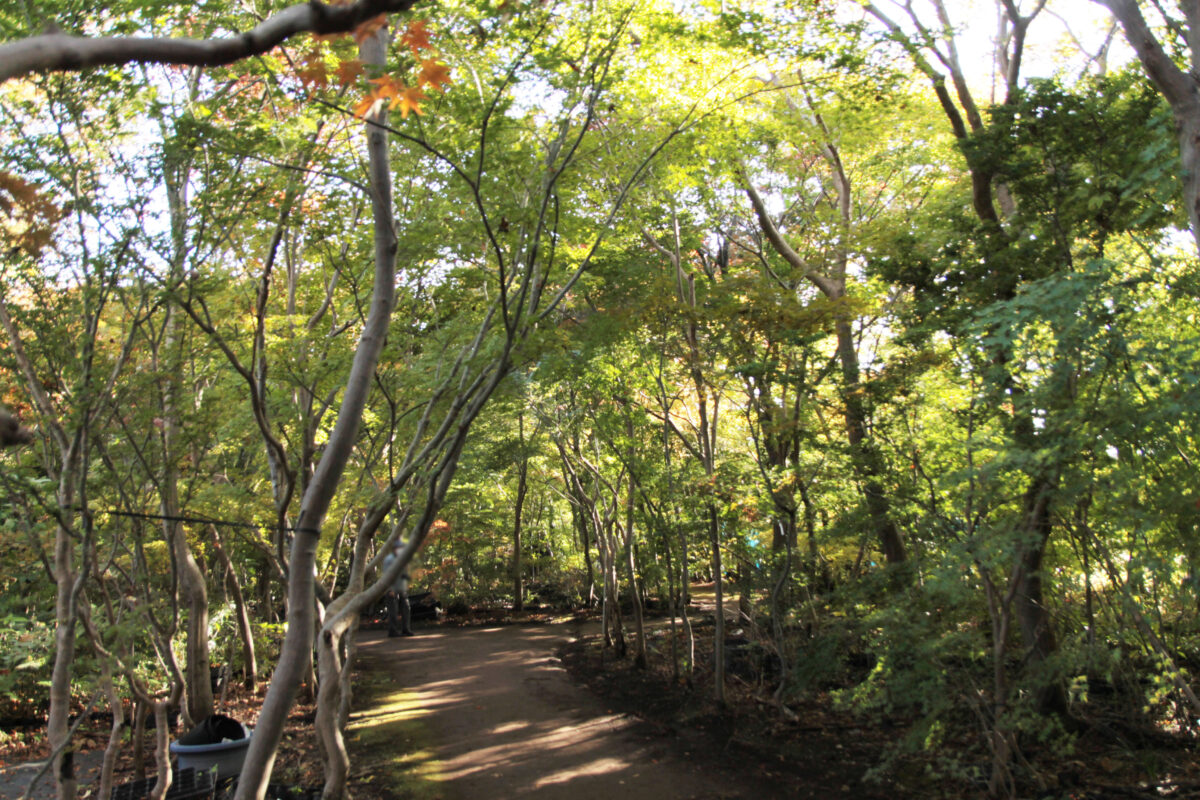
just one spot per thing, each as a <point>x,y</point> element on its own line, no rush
<point>464,713</point>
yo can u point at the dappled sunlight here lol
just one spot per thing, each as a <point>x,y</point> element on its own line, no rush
<point>504,720</point>
<point>601,766</point>
<point>572,743</point>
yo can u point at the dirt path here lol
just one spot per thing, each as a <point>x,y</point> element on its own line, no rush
<point>465,713</point>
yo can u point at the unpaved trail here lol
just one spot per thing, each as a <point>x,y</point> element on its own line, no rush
<point>490,713</point>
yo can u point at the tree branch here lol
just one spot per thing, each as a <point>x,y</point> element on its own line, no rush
<point>64,52</point>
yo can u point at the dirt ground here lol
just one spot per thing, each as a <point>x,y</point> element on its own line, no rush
<point>491,712</point>
<point>497,707</point>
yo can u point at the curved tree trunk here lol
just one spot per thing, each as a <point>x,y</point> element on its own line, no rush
<point>295,658</point>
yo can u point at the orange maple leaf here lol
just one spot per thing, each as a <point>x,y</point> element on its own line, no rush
<point>314,72</point>
<point>364,106</point>
<point>386,86</point>
<point>434,74</point>
<point>416,36</point>
<point>348,71</point>
<point>408,100</point>
<point>367,29</point>
<point>313,75</point>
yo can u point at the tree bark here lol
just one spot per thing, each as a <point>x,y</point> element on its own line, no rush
<point>865,457</point>
<point>295,657</point>
<point>522,488</point>
<point>245,630</point>
<point>630,563</point>
<point>59,51</point>
<point>1181,90</point>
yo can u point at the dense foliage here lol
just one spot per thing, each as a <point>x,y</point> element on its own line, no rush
<point>742,296</point>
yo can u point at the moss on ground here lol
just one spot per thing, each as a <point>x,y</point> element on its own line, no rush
<point>387,740</point>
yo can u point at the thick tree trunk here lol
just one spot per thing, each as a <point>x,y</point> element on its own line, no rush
<point>329,728</point>
<point>1180,88</point>
<point>1037,628</point>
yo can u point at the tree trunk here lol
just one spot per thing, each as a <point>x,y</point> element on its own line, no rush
<point>522,489</point>
<point>1177,86</point>
<point>295,656</point>
<point>245,631</point>
<point>57,723</point>
<point>865,456</point>
<point>630,562</point>
<point>714,540</point>
<point>1037,628</point>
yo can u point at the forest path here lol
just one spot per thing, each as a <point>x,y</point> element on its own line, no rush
<point>465,713</point>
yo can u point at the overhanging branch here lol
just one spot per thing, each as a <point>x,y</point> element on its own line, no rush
<point>64,52</point>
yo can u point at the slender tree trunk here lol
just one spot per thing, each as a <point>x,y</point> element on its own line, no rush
<point>296,654</point>
<point>673,607</point>
<point>116,732</point>
<point>245,631</point>
<point>57,723</point>
<point>638,623</point>
<point>522,489</point>
<point>169,358</point>
<point>866,458</point>
<point>612,587</point>
<point>714,540</point>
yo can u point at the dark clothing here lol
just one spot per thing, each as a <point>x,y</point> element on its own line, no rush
<point>399,614</point>
<point>398,608</point>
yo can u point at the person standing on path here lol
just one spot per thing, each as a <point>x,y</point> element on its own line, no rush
<point>398,610</point>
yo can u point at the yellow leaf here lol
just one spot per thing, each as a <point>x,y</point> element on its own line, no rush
<point>364,106</point>
<point>386,86</point>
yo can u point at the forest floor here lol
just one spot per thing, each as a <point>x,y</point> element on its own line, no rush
<point>815,749</point>
<point>504,705</point>
<point>489,710</point>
